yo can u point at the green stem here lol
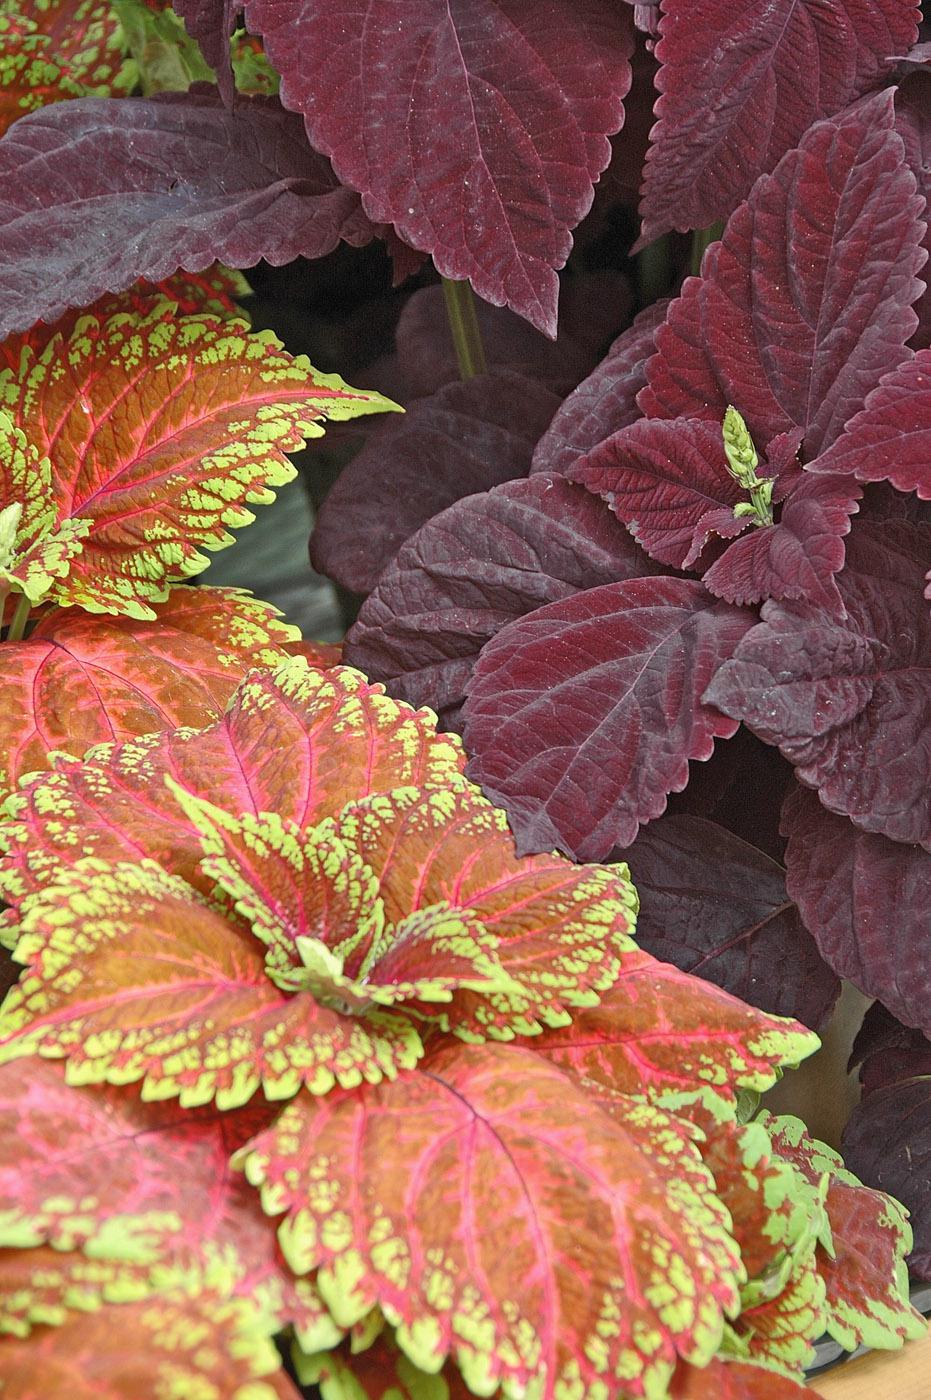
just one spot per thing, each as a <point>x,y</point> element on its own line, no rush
<point>654,270</point>
<point>702,238</point>
<point>463,324</point>
<point>17,628</point>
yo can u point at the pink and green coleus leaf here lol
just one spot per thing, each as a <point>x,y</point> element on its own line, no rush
<point>145,1350</point>
<point>662,1033</point>
<point>526,101</point>
<point>298,742</point>
<point>160,431</point>
<point>491,1132</point>
<point>793,322</point>
<point>78,681</point>
<point>100,1177</point>
<point>86,37</point>
<point>862,1261</point>
<point>865,900</point>
<point>727,1379</point>
<point>36,551</point>
<point>29,75</point>
<point>599,695</point>
<point>848,700</point>
<point>241,185</point>
<point>316,943</point>
<point>731,103</point>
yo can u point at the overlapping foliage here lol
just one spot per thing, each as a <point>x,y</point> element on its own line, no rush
<point>278,952</point>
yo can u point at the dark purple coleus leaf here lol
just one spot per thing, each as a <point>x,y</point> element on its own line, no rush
<point>798,556</point>
<point>740,85</point>
<point>866,901</point>
<point>885,1050</point>
<point>848,699</point>
<point>96,193</point>
<point>606,401</point>
<point>890,438</point>
<point>913,123</point>
<point>796,318</point>
<point>211,22</point>
<point>466,438</point>
<point>473,569</point>
<point>476,127</point>
<point>716,906</point>
<point>582,717</point>
<point>887,1142</point>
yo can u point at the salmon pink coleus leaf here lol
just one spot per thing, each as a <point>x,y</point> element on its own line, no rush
<point>157,432</point>
<point>660,1032</point>
<point>865,900</point>
<point>173,181</point>
<point>848,700</point>
<point>583,716</point>
<point>476,567</point>
<point>95,1175</point>
<point>794,320</point>
<point>483,134</point>
<point>862,1260</point>
<point>298,742</point>
<point>487,1131</point>
<point>78,681</point>
<point>731,100</point>
<point>144,1350</point>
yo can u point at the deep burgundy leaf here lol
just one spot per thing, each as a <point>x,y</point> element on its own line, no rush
<point>582,717</point>
<point>913,123</point>
<point>890,438</point>
<point>605,402</point>
<point>740,84</point>
<point>798,556</point>
<point>476,127</point>
<point>886,1051</point>
<point>668,481</point>
<point>887,1142</point>
<point>211,22</point>
<point>473,569</point>
<point>848,700</point>
<point>97,193</point>
<point>466,438</point>
<point>797,316</point>
<point>865,900</point>
<point>717,907</point>
<point>592,306</point>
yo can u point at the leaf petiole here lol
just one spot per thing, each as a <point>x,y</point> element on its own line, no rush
<point>17,628</point>
<point>464,327</point>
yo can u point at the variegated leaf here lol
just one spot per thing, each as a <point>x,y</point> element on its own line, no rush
<point>161,430</point>
<point>664,1033</point>
<point>86,38</point>
<point>29,75</point>
<point>299,742</point>
<point>78,681</point>
<point>615,1262</point>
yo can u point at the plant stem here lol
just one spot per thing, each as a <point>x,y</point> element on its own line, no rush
<point>463,324</point>
<point>17,628</point>
<point>702,238</point>
<point>654,270</point>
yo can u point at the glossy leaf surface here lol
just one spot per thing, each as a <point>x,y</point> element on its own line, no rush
<point>601,695</point>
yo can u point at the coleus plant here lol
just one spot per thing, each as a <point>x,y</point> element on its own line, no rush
<point>295,951</point>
